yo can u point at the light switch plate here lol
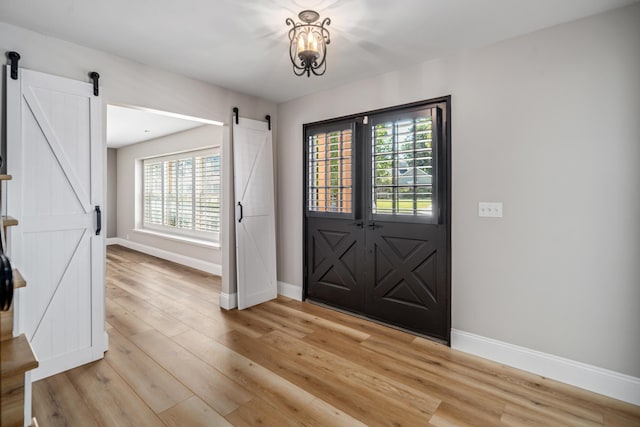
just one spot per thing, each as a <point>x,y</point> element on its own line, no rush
<point>490,209</point>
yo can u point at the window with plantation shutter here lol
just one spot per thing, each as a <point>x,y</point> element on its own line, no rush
<point>181,194</point>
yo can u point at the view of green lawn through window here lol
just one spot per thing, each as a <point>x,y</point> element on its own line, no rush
<point>401,162</point>
<point>402,166</point>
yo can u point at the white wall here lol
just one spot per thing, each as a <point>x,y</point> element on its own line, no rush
<point>112,191</point>
<point>130,197</point>
<point>548,124</point>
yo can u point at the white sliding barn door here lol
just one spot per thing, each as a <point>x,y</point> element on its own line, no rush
<point>255,213</point>
<point>55,155</point>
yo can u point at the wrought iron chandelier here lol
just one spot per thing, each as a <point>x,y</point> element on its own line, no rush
<point>308,43</point>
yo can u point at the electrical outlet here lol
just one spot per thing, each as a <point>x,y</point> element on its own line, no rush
<point>490,209</point>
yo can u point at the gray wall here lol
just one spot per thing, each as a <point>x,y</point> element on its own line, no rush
<point>130,83</point>
<point>130,194</point>
<point>548,124</point>
<point>112,191</point>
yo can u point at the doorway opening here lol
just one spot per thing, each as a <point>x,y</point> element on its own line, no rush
<point>166,200</point>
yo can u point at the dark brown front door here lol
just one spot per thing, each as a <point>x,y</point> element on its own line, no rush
<point>334,232</point>
<point>377,223</point>
<point>336,263</point>
<point>406,282</point>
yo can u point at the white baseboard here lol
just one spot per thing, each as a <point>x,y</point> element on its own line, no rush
<point>592,378</point>
<point>28,393</point>
<point>228,301</point>
<point>290,291</point>
<point>57,364</point>
<point>106,342</point>
<point>198,264</point>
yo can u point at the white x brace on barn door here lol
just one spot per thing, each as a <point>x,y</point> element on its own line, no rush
<point>55,155</point>
<point>255,213</point>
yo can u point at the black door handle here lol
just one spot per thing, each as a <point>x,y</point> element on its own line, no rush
<point>372,225</point>
<point>98,220</point>
<point>358,223</point>
<point>241,213</point>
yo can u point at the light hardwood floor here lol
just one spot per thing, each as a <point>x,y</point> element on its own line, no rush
<point>176,359</point>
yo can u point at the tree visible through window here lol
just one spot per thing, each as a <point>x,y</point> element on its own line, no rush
<point>182,194</point>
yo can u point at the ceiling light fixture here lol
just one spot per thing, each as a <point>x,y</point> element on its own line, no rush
<point>308,44</point>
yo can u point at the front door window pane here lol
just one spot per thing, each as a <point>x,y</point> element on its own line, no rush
<point>330,173</point>
<point>402,167</point>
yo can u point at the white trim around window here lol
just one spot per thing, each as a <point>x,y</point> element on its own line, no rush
<point>182,239</point>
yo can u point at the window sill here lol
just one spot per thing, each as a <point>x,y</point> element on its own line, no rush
<point>181,239</point>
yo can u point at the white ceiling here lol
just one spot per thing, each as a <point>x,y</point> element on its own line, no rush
<point>242,44</point>
<point>127,126</point>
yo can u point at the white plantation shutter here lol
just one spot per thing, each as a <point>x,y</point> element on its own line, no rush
<point>153,192</point>
<point>182,194</point>
<point>207,193</point>
<point>170,197</point>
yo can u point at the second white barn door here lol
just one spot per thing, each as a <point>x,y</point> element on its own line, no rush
<point>255,213</point>
<point>55,156</point>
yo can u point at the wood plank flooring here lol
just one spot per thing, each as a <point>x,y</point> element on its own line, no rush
<point>176,359</point>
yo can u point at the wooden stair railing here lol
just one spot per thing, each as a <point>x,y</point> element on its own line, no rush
<point>16,355</point>
<point>17,359</point>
